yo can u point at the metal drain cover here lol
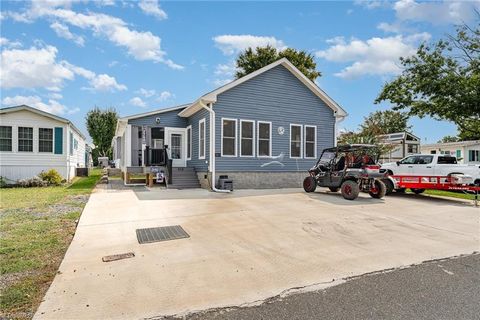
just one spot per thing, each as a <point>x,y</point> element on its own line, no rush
<point>149,235</point>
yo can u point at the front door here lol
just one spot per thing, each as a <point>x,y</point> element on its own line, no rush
<point>177,149</point>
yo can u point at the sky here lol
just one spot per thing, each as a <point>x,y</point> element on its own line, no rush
<point>67,56</point>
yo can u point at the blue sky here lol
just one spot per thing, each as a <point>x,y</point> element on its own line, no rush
<point>66,56</point>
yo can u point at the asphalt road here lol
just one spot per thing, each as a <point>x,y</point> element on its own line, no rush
<point>444,289</point>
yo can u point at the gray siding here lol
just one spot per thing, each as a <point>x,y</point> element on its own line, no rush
<point>276,96</point>
<point>199,164</point>
<point>167,119</point>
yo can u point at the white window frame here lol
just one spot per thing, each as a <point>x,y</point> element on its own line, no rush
<point>253,139</point>
<point>204,139</point>
<point>235,141</point>
<point>258,139</point>
<point>305,142</point>
<point>53,140</point>
<point>189,148</point>
<point>301,140</point>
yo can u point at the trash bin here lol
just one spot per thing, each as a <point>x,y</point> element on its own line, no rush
<point>224,183</point>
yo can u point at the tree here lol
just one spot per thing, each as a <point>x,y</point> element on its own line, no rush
<point>384,122</point>
<point>442,81</point>
<point>253,59</point>
<point>448,139</point>
<point>101,126</point>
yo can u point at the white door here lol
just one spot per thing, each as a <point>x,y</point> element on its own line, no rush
<point>177,149</point>
<point>423,166</point>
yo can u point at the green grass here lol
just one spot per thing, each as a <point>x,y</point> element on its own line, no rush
<point>450,194</point>
<point>36,227</point>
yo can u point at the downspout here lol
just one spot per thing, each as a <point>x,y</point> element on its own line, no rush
<point>212,144</point>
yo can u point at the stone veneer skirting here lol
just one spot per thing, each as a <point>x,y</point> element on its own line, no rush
<point>258,180</point>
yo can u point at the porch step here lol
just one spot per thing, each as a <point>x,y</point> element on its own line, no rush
<point>184,178</point>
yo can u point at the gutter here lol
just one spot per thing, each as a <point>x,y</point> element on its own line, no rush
<point>212,144</point>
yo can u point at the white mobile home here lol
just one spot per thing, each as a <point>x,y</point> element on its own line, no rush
<point>467,152</point>
<point>403,144</point>
<point>32,141</point>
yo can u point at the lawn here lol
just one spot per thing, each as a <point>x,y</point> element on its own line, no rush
<point>36,227</point>
<point>459,195</point>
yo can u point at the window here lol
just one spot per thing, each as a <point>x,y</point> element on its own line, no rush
<point>189,142</point>
<point>229,137</point>
<point>408,160</point>
<point>25,139</point>
<point>201,139</point>
<point>264,143</point>
<point>295,141</point>
<point>412,148</point>
<point>71,144</point>
<point>423,159</point>
<point>474,155</point>
<point>246,138</point>
<point>310,142</point>
<point>447,160</point>
<point>45,140</point>
<point>5,138</point>
<point>433,151</point>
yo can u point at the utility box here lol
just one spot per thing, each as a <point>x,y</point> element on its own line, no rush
<point>103,162</point>
<point>224,183</point>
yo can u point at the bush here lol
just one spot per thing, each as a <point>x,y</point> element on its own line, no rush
<point>51,177</point>
<point>3,182</point>
<point>32,182</point>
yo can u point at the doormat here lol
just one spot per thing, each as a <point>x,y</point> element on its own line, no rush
<point>149,235</point>
<point>120,256</point>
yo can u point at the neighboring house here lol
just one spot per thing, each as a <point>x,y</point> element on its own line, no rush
<point>265,129</point>
<point>467,152</point>
<point>32,141</point>
<point>402,144</point>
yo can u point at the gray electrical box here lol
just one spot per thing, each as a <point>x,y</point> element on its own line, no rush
<point>224,183</point>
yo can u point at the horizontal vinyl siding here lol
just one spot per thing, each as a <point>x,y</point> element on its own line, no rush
<point>167,119</point>
<point>275,96</point>
<point>199,164</point>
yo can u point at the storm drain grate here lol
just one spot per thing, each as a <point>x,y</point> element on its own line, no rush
<point>149,235</point>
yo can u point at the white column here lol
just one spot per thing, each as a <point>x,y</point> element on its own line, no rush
<point>128,146</point>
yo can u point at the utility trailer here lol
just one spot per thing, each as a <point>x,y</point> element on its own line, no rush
<point>418,184</point>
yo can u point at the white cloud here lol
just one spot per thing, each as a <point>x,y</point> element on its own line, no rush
<point>63,32</point>
<point>224,73</point>
<point>52,106</point>
<point>113,63</point>
<point>443,12</point>
<point>390,27</point>
<point>146,93</point>
<point>221,82</point>
<point>372,4</point>
<point>163,96</point>
<point>140,45</point>
<point>151,7</point>
<point>138,102</point>
<point>39,68</point>
<point>233,44</point>
<point>375,56</point>
<point>55,96</point>
<point>4,42</point>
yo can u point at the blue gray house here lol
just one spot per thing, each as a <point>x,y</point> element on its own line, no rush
<point>263,130</point>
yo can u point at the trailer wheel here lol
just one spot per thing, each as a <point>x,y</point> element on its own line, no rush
<point>379,191</point>
<point>309,184</point>
<point>333,189</point>
<point>418,191</point>
<point>350,190</point>
<point>389,185</point>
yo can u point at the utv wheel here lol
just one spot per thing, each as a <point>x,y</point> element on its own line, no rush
<point>333,189</point>
<point>350,190</point>
<point>379,191</point>
<point>309,184</point>
<point>389,185</point>
<point>417,191</point>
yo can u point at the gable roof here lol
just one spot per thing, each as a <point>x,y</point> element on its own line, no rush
<point>42,113</point>
<point>149,113</point>
<point>211,97</point>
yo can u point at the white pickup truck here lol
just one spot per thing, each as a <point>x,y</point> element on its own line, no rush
<point>431,165</point>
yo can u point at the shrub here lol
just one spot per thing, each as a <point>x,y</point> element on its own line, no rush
<point>3,182</point>
<point>51,177</point>
<point>32,182</point>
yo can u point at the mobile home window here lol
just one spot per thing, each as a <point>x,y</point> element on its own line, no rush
<point>45,140</point>
<point>310,141</point>
<point>473,155</point>
<point>5,138</point>
<point>247,134</point>
<point>25,139</point>
<point>189,142</point>
<point>201,139</point>
<point>413,148</point>
<point>295,141</point>
<point>264,139</point>
<point>229,137</point>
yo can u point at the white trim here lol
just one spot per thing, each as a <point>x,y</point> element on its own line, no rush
<point>301,141</point>
<point>204,139</point>
<point>189,148</point>
<point>240,139</point>
<point>235,139</point>
<point>211,97</point>
<point>158,111</point>
<point>305,142</point>
<point>258,139</point>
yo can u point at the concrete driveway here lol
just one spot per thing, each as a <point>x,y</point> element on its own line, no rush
<point>243,248</point>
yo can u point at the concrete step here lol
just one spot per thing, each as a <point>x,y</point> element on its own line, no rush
<point>183,186</point>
